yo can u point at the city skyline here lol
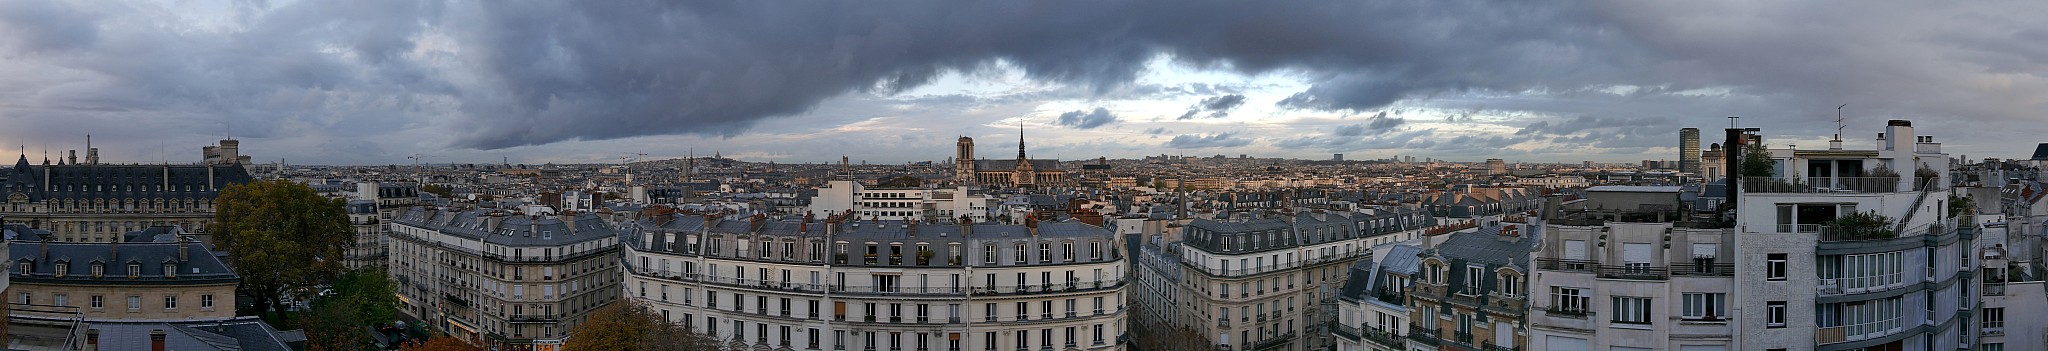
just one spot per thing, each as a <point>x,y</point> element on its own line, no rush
<point>371,83</point>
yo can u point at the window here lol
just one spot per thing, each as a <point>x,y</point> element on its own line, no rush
<point>206,301</point>
<point>1509,286</point>
<point>1021,254</point>
<point>170,302</point>
<point>63,300</point>
<point>1774,266</point>
<point>25,299</point>
<point>1774,314</point>
<point>1044,252</point>
<point>1632,310</point>
<point>1994,320</point>
<point>134,303</point>
<point>1568,299</point>
<point>97,301</point>
<point>988,254</point>
<point>1705,306</point>
<point>1473,276</point>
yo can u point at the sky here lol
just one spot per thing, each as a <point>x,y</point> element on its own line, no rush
<point>394,81</point>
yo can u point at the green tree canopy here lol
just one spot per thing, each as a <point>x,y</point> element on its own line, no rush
<point>1756,161</point>
<point>282,238</point>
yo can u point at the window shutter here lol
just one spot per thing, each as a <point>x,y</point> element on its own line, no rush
<point>1635,253</point>
<point>1575,249</point>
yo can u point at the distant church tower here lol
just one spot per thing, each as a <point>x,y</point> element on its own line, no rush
<point>963,164</point>
<point>1024,176</point>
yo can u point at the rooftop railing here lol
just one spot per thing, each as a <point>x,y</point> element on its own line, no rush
<point>1821,185</point>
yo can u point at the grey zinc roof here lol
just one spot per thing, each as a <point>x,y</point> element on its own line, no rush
<point>200,264</point>
<point>1402,259</point>
<point>241,333</point>
<point>119,181</point>
<point>1484,246</point>
<point>514,230</point>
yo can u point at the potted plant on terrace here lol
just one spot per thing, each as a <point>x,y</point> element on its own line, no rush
<point>1864,225</point>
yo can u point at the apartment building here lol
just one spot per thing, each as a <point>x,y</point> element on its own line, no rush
<point>1372,309</point>
<point>844,283</point>
<point>1627,269</point>
<point>503,279</point>
<point>1262,284</point>
<point>177,279</point>
<point>1842,249</point>
<point>1470,291</point>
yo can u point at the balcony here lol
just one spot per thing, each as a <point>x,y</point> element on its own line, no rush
<point>1845,234</point>
<point>1425,336</point>
<point>1829,335</point>
<point>1273,341</point>
<point>1279,267</point>
<point>1994,289</point>
<point>1575,313</point>
<point>1703,270</point>
<point>1634,272</point>
<point>1344,331</point>
<point>1564,265</point>
<point>1821,185</point>
<point>532,318</point>
<point>1384,338</point>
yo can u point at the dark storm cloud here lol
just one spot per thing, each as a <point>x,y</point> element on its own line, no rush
<point>1157,131</point>
<point>1199,141</point>
<point>503,74</point>
<point>1087,119</point>
<point>1217,107</point>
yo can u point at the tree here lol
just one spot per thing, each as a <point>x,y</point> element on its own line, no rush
<point>370,293</point>
<point>334,326</point>
<point>901,182</point>
<point>437,190</point>
<point>439,344</point>
<point>622,326</point>
<point>282,236</point>
<point>1756,161</point>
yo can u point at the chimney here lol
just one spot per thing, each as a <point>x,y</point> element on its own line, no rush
<point>1735,145</point>
<point>1031,223</point>
<point>182,255</point>
<point>156,340</point>
<point>92,339</point>
<point>966,227</point>
<point>1900,132</point>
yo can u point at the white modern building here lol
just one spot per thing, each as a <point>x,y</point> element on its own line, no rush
<point>850,284</point>
<point>1844,249</point>
<point>896,204</point>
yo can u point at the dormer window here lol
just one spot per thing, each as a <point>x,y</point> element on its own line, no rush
<point>134,270</point>
<point>26,267</point>
<point>170,270</point>
<point>62,268</point>
<point>99,269</point>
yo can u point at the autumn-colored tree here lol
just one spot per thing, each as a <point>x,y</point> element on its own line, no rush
<point>439,344</point>
<point>622,326</point>
<point>282,236</point>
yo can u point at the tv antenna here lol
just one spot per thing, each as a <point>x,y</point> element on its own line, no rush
<point>1838,122</point>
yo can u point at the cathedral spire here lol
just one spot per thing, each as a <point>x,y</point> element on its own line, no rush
<point>1020,140</point>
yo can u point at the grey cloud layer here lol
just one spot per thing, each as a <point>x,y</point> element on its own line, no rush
<point>1087,119</point>
<point>502,74</point>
